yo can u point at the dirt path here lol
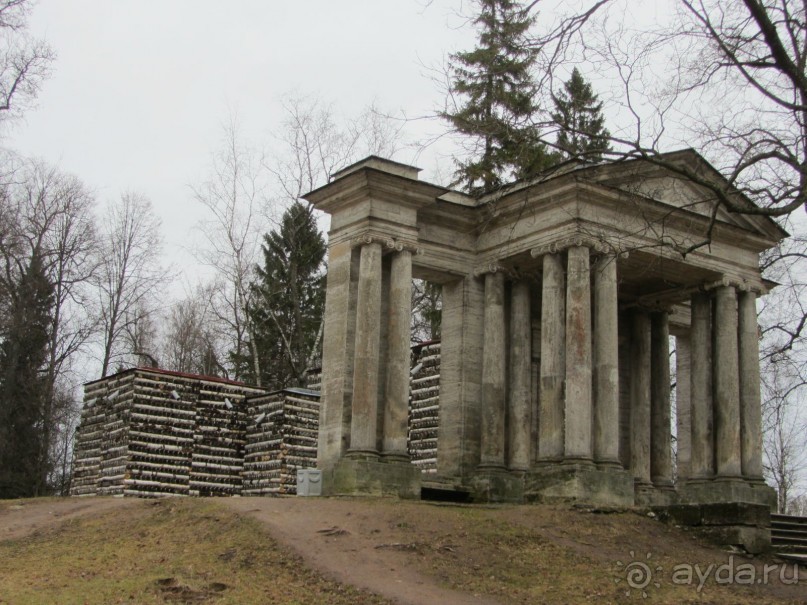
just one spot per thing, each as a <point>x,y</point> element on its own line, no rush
<point>21,518</point>
<point>351,547</point>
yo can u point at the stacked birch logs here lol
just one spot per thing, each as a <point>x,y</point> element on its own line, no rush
<point>115,438</point>
<point>219,438</point>
<point>88,446</point>
<point>314,379</point>
<point>281,438</point>
<point>148,432</point>
<point>424,399</point>
<point>160,435</point>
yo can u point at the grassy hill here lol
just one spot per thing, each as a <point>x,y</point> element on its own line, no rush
<point>219,551</point>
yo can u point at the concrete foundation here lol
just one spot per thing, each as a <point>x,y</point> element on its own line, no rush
<point>371,477</point>
<point>720,491</point>
<point>497,486</point>
<point>744,525</point>
<point>579,483</point>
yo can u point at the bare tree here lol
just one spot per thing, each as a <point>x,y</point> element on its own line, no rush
<point>140,337</point>
<point>191,340</point>
<point>24,61</point>
<point>48,215</point>
<point>130,271</point>
<point>427,307</point>
<point>671,79</point>
<point>234,197</point>
<point>785,429</point>
<point>314,143</point>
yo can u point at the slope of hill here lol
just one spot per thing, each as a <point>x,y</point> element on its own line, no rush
<point>351,551</point>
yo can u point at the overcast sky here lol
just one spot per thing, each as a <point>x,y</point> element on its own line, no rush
<point>141,88</point>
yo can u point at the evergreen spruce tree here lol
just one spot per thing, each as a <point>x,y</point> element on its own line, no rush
<point>24,340</point>
<point>578,114</point>
<point>289,298</point>
<point>494,81</point>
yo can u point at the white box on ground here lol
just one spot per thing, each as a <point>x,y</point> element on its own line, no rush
<point>309,482</point>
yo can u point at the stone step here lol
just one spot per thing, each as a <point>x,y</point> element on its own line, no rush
<point>777,519</point>
<point>787,539</point>
<point>788,532</point>
<point>788,526</point>
<point>791,549</point>
<point>796,558</point>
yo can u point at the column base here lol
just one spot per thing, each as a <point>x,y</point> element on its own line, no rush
<point>362,455</point>
<point>655,495</point>
<point>371,477</point>
<point>396,457</point>
<point>725,490</point>
<point>581,483</point>
<point>496,485</point>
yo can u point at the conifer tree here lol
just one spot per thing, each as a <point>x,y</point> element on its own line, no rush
<point>288,298</point>
<point>497,91</point>
<point>24,336</point>
<point>578,114</point>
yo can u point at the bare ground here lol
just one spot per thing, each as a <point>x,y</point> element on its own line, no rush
<point>418,552</point>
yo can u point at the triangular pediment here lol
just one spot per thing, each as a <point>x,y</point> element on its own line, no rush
<point>666,180</point>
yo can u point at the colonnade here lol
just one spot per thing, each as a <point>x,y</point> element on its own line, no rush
<point>724,386</point>
<point>578,404</point>
<point>380,397</point>
<point>578,399</point>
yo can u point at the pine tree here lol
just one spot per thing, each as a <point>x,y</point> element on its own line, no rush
<point>24,340</point>
<point>289,298</point>
<point>494,80</point>
<point>578,115</point>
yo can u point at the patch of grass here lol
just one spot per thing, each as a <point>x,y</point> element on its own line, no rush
<point>481,551</point>
<point>168,551</point>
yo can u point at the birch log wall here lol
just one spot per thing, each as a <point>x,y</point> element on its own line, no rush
<point>147,432</point>
<point>281,438</point>
<point>87,456</point>
<point>424,400</point>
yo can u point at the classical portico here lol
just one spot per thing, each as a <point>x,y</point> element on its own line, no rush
<point>562,298</point>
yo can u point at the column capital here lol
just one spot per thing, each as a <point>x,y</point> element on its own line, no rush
<point>739,284</point>
<point>389,244</point>
<point>594,244</point>
<point>494,267</point>
<point>398,245</point>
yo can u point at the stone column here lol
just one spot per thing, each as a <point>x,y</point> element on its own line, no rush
<point>461,352</point>
<point>578,446</point>
<point>364,418</point>
<point>750,401</point>
<point>700,392</point>
<point>726,384</point>
<point>337,353</point>
<point>683,405</point>
<point>396,408</point>
<point>640,398</point>
<point>493,375</point>
<point>553,360</point>
<point>519,416</point>
<point>606,363</point>
<point>660,423</point>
